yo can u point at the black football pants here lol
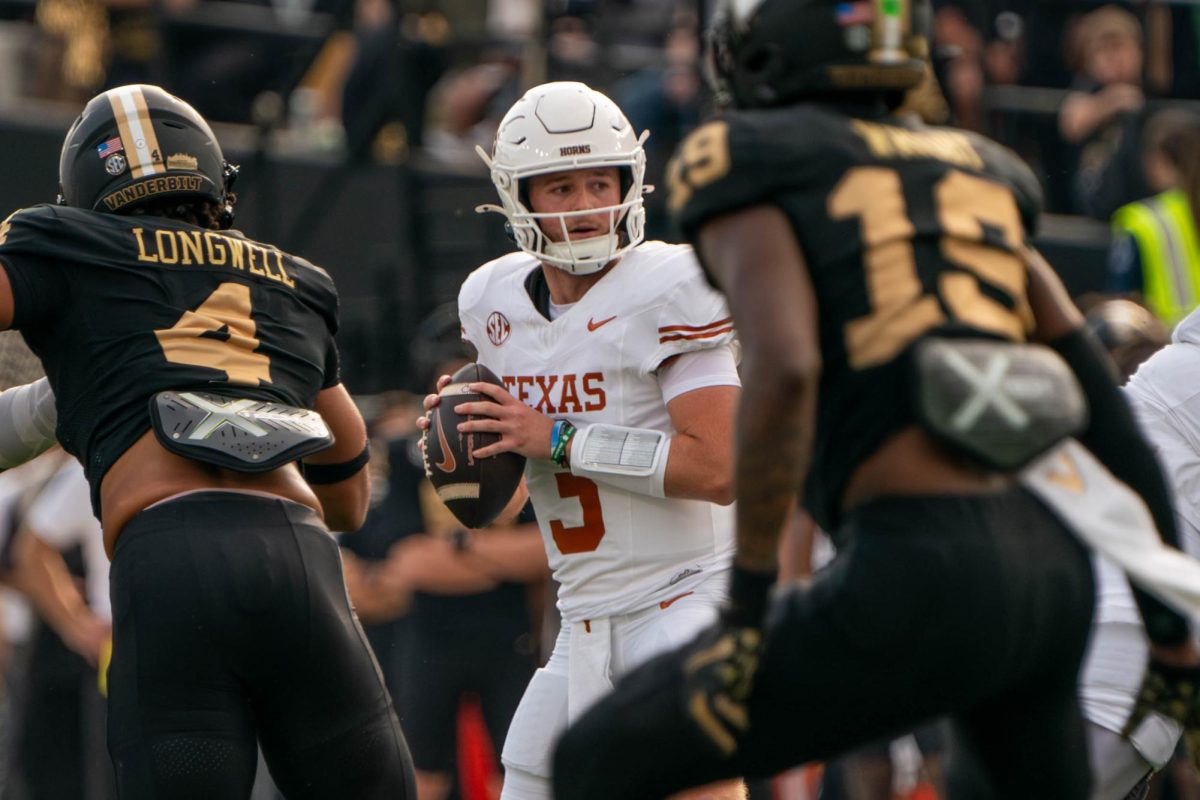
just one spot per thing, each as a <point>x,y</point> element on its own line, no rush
<point>975,607</point>
<point>231,623</point>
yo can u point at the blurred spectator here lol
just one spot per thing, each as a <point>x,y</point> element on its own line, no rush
<point>667,101</point>
<point>453,606</point>
<point>59,562</point>
<point>58,521</point>
<point>135,50</point>
<point>397,61</point>
<point>1106,95</point>
<point>223,54</point>
<point>465,108</point>
<point>513,20</point>
<point>392,516</point>
<point>1156,251</point>
<point>572,53</point>
<point>959,53</point>
<point>18,487</point>
<point>70,58</point>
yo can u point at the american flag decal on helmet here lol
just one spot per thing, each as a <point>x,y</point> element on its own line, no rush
<point>106,149</point>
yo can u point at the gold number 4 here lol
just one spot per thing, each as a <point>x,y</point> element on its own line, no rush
<point>219,335</point>
<point>900,310</point>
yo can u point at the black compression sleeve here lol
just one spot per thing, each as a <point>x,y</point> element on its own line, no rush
<point>1113,437</point>
<point>324,474</point>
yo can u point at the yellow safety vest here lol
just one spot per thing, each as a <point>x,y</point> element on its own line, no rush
<point>1165,234</point>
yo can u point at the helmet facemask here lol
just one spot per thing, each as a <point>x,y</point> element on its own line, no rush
<point>534,130</point>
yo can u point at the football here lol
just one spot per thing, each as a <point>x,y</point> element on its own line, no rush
<point>474,489</point>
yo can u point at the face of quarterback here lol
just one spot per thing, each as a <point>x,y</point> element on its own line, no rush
<point>571,192</point>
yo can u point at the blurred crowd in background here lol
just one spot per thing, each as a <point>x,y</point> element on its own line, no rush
<point>1099,98</point>
<point>1103,99</point>
<point>386,78</point>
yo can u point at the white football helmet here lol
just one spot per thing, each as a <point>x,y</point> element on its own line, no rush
<point>564,126</point>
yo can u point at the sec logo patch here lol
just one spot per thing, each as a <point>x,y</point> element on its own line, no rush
<point>115,164</point>
<point>498,328</point>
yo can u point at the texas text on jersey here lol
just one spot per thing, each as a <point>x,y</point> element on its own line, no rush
<point>612,551</point>
<point>908,230</point>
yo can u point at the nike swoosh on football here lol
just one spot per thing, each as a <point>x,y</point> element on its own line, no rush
<point>593,325</point>
<point>448,462</point>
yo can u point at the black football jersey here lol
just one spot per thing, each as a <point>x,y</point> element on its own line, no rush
<point>119,308</point>
<point>908,231</point>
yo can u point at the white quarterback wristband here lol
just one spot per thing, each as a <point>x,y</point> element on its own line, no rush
<point>633,459</point>
<point>27,420</point>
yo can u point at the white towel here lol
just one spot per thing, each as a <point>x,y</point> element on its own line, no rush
<point>1111,518</point>
<point>589,673</point>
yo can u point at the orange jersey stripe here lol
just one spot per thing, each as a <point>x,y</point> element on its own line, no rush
<point>670,328</point>
<point>705,335</point>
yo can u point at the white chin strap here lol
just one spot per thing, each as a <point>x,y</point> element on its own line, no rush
<point>582,257</point>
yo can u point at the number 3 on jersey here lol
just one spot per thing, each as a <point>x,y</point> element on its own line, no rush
<point>583,538</point>
<point>219,335</point>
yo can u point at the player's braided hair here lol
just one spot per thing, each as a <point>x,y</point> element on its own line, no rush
<point>202,212</point>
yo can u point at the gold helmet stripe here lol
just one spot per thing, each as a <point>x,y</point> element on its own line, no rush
<point>137,132</point>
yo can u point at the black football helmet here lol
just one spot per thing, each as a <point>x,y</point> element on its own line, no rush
<point>136,143</point>
<point>766,53</point>
<point>1129,332</point>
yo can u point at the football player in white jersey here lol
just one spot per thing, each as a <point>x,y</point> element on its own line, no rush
<point>621,373</point>
<point>1165,400</point>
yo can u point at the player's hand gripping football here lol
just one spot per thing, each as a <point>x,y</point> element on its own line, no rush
<point>1173,690</point>
<point>719,674</point>
<point>522,429</point>
<point>429,403</point>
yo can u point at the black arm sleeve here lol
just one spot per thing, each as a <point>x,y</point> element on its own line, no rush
<point>1113,437</point>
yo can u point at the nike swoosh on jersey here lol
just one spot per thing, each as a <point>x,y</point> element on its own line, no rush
<point>593,325</point>
<point>665,604</point>
<point>448,463</point>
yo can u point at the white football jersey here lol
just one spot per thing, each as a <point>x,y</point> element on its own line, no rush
<point>1165,397</point>
<point>1115,665</point>
<point>611,551</point>
<point>1165,401</point>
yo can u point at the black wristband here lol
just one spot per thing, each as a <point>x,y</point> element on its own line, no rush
<point>324,474</point>
<point>749,593</point>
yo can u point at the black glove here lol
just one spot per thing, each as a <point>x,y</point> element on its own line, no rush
<point>719,674</point>
<point>1173,692</point>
